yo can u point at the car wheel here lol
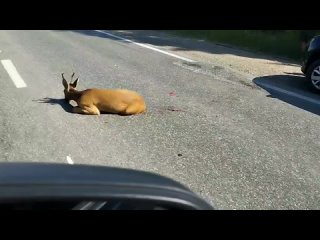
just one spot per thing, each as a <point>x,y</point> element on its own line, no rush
<point>313,74</point>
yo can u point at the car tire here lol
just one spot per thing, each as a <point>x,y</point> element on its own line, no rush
<point>313,74</point>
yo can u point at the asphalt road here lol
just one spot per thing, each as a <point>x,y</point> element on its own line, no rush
<point>206,126</point>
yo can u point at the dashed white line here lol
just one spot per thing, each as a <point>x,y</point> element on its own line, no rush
<point>147,46</point>
<point>69,160</point>
<point>309,99</point>
<point>13,73</point>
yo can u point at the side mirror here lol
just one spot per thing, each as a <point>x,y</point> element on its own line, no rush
<point>83,187</point>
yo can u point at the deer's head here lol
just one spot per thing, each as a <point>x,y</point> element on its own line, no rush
<point>69,88</point>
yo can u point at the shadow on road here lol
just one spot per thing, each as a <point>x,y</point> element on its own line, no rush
<point>67,106</point>
<point>182,44</point>
<point>55,101</point>
<point>292,89</point>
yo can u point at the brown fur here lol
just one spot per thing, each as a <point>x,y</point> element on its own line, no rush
<point>94,101</point>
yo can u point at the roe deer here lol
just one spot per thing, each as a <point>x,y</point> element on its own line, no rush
<point>94,101</point>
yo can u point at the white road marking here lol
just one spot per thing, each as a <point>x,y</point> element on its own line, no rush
<point>69,160</point>
<point>293,94</point>
<point>147,46</point>
<point>13,73</point>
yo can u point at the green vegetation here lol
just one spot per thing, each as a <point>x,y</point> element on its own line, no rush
<point>282,43</point>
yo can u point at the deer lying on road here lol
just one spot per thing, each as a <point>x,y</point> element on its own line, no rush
<point>94,101</point>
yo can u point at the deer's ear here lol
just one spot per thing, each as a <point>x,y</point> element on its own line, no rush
<point>75,83</point>
<point>65,84</point>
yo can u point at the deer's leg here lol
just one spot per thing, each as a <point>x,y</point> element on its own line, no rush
<point>77,110</point>
<point>92,110</point>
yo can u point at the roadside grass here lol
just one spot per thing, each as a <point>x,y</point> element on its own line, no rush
<point>272,42</point>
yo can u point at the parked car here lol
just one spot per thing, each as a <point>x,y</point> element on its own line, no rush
<point>311,62</point>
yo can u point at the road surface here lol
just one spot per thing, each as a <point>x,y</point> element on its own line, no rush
<point>207,126</point>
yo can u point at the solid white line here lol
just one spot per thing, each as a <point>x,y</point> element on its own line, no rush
<point>309,99</point>
<point>69,160</point>
<point>147,46</point>
<point>13,73</point>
